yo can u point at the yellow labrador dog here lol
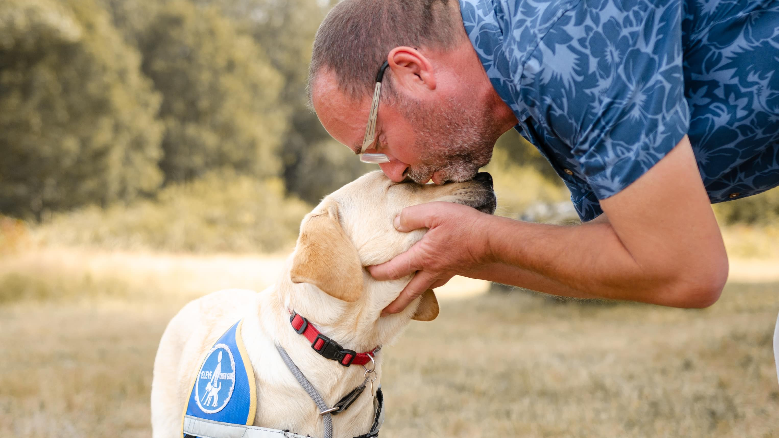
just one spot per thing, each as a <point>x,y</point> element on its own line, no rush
<point>325,284</point>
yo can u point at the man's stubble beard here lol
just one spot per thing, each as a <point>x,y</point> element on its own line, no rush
<point>451,140</point>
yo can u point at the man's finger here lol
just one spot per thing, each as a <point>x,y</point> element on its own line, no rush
<point>399,267</point>
<point>418,285</point>
<point>417,216</point>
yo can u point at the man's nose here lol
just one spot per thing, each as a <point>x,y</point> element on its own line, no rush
<point>395,170</point>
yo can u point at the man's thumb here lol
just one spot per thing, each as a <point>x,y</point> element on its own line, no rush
<point>415,217</point>
<point>398,267</point>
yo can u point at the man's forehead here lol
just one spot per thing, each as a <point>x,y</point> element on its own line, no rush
<point>344,118</point>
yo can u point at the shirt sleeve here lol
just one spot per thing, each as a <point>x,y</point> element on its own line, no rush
<point>607,80</point>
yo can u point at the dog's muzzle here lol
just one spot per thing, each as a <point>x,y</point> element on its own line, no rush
<point>484,198</point>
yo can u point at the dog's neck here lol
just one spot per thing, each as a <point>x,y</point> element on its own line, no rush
<point>357,326</point>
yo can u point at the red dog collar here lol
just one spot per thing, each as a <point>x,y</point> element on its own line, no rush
<point>327,347</point>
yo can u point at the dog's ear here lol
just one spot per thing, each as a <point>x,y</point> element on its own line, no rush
<point>325,257</point>
<point>428,307</point>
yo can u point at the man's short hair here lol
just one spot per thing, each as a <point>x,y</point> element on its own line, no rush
<point>357,35</point>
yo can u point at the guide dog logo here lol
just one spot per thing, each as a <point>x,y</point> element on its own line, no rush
<point>216,380</point>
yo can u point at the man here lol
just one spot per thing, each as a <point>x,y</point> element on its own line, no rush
<point>648,110</point>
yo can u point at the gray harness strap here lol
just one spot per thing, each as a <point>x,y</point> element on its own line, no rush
<point>378,402</point>
<point>198,427</point>
<point>312,392</point>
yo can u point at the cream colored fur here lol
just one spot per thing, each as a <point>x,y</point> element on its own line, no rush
<point>325,281</point>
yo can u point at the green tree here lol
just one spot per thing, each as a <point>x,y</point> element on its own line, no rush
<point>76,116</point>
<point>132,17</point>
<point>220,94</point>
<point>313,164</point>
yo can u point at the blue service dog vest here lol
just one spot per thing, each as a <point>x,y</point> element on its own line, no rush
<point>224,389</point>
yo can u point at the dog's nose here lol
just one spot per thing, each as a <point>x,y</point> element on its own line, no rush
<point>485,179</point>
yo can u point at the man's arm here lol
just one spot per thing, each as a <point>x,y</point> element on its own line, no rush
<point>658,242</point>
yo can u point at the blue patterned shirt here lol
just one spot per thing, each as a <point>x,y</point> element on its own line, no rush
<point>606,88</point>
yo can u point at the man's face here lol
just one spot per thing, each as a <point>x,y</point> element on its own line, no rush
<point>444,141</point>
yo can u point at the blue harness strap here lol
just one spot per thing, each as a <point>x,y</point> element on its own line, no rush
<point>224,389</point>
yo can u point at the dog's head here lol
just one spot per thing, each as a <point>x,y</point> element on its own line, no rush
<point>353,228</point>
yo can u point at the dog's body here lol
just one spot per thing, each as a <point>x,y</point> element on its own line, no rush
<point>324,281</point>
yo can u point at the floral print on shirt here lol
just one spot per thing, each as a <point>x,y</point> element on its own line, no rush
<point>606,88</point>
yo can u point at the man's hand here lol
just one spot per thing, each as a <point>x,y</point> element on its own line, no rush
<point>454,243</point>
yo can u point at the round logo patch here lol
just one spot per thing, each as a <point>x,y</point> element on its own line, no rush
<point>216,380</point>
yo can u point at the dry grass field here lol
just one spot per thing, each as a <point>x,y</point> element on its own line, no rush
<point>79,331</point>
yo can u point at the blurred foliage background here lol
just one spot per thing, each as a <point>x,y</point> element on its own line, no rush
<point>143,143</point>
<point>182,125</point>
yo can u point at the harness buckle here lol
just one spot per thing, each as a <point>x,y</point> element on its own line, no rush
<point>330,349</point>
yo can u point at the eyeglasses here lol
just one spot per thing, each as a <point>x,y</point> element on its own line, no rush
<point>370,130</point>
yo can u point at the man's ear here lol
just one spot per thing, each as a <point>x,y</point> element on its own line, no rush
<point>428,307</point>
<point>325,257</point>
<point>411,69</point>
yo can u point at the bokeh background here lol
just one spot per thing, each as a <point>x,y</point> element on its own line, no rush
<point>152,151</point>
